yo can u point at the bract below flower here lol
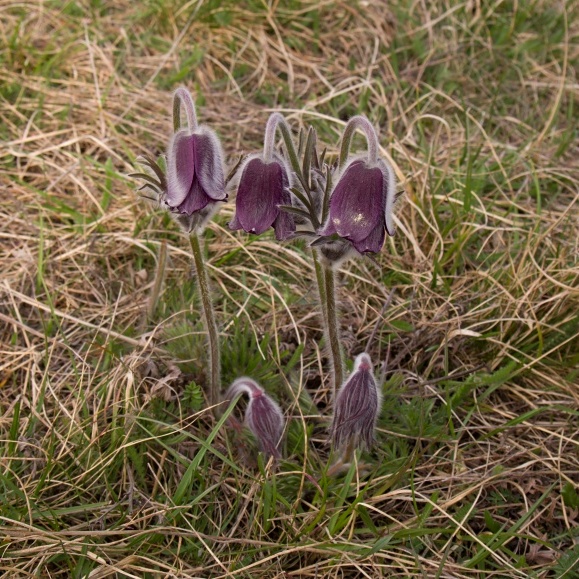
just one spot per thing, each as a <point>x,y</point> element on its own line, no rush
<point>361,205</point>
<point>263,187</point>
<point>357,407</point>
<point>195,175</point>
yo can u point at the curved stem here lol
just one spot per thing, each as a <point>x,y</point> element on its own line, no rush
<point>183,97</point>
<point>209,320</point>
<point>332,329</point>
<point>277,120</point>
<point>362,123</point>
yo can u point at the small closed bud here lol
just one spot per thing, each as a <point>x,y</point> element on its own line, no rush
<point>263,187</point>
<point>263,416</point>
<point>356,408</point>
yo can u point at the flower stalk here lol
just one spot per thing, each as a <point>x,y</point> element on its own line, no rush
<point>332,328</point>
<point>362,123</point>
<point>208,319</point>
<point>318,268</point>
<point>182,97</point>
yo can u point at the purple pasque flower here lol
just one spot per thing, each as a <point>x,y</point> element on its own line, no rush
<point>195,175</point>
<point>264,185</point>
<point>361,205</point>
<point>195,169</point>
<point>263,416</point>
<point>356,408</point>
<point>362,199</point>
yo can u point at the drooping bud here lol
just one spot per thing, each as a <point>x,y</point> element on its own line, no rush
<point>263,416</point>
<point>356,408</point>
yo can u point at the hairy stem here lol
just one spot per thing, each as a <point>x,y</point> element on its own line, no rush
<point>332,329</point>
<point>343,462</point>
<point>183,97</point>
<point>209,319</point>
<point>321,285</point>
<point>158,283</point>
<point>362,123</point>
<point>275,121</point>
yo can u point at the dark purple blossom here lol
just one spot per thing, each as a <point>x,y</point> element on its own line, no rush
<point>361,205</point>
<point>195,175</point>
<point>357,407</point>
<point>263,416</point>
<point>263,187</point>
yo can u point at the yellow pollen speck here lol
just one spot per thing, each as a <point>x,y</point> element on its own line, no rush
<point>358,218</point>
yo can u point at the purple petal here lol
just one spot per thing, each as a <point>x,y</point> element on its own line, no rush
<point>209,163</point>
<point>328,229</point>
<point>180,167</point>
<point>374,242</point>
<point>389,194</point>
<point>234,223</point>
<point>357,202</point>
<point>261,190</point>
<point>196,199</point>
<point>284,225</point>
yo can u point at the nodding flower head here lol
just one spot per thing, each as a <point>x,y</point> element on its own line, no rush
<point>357,407</point>
<point>195,174</point>
<point>263,416</point>
<point>361,205</point>
<point>264,186</point>
<point>362,200</point>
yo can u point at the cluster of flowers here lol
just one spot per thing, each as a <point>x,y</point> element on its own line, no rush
<point>344,209</point>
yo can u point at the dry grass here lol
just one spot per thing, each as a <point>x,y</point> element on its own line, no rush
<point>109,465</point>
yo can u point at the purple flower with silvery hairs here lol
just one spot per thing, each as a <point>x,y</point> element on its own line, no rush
<point>263,416</point>
<point>362,200</point>
<point>195,173</point>
<point>264,185</point>
<point>361,205</point>
<point>356,408</point>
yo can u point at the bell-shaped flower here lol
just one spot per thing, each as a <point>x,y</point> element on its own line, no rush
<point>361,205</point>
<point>195,175</point>
<point>356,408</point>
<point>263,416</point>
<point>263,187</point>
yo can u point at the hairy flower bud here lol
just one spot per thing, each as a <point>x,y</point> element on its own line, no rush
<point>357,407</point>
<point>263,187</point>
<point>263,416</point>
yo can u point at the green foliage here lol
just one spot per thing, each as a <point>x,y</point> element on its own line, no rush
<point>102,471</point>
<point>244,355</point>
